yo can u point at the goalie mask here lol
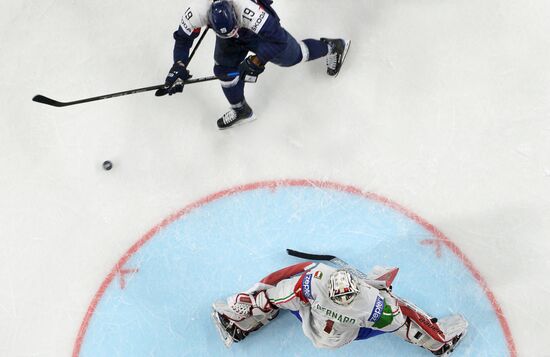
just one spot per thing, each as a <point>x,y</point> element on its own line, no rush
<point>222,19</point>
<point>342,287</point>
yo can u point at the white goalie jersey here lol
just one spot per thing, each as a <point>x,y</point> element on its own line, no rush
<point>325,323</point>
<point>336,308</point>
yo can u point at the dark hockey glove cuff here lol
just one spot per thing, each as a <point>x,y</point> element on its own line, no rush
<point>251,68</point>
<point>174,80</point>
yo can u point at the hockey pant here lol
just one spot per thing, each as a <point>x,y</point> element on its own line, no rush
<point>229,53</point>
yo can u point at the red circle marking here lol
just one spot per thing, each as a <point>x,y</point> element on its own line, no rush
<point>273,185</point>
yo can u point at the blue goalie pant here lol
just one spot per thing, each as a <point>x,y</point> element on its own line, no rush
<point>364,332</point>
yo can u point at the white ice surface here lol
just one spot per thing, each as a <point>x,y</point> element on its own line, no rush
<point>442,106</point>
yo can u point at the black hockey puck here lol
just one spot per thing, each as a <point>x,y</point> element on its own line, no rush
<point>107,165</point>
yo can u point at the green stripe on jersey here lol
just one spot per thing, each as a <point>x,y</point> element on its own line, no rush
<point>386,318</point>
<point>281,299</point>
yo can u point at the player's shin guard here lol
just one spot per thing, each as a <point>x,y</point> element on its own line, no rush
<point>233,87</point>
<point>313,49</point>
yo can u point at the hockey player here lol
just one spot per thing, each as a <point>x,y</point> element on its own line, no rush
<point>244,26</point>
<point>336,307</point>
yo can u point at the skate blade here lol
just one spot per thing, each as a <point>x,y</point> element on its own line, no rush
<point>344,55</point>
<point>448,353</point>
<point>226,338</point>
<point>240,122</point>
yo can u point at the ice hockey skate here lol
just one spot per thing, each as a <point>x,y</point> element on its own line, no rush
<point>229,332</point>
<point>237,115</point>
<point>455,326</point>
<point>338,49</point>
<point>448,349</point>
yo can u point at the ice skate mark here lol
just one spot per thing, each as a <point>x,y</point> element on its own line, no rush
<point>436,243</point>
<point>122,276</point>
<point>272,187</point>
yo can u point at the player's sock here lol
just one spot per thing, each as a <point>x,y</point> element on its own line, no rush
<point>314,49</point>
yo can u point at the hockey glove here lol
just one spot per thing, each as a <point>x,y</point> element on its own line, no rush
<point>251,68</point>
<point>175,80</point>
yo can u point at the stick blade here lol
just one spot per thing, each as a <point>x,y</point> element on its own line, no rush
<point>48,101</point>
<point>309,256</point>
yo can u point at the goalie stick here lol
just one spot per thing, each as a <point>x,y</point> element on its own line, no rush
<point>331,258</point>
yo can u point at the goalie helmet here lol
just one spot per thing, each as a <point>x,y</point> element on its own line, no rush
<point>222,19</point>
<point>342,287</point>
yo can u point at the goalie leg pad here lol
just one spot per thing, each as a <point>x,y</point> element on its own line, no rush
<point>452,328</point>
<point>423,321</point>
<point>413,333</point>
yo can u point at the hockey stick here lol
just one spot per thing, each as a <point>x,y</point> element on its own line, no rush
<point>48,101</point>
<point>197,46</point>
<point>343,264</point>
<point>331,258</point>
